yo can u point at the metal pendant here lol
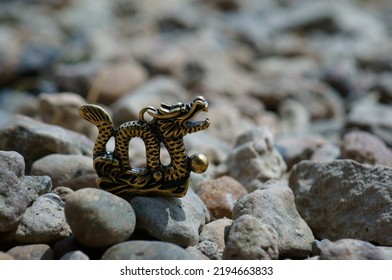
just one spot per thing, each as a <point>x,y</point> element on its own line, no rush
<point>168,125</point>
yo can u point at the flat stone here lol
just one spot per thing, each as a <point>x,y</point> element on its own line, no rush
<point>146,250</point>
<point>220,195</point>
<point>250,239</point>
<point>31,252</point>
<point>34,139</point>
<point>99,219</point>
<point>344,199</point>
<point>273,205</point>
<point>73,171</point>
<point>176,220</point>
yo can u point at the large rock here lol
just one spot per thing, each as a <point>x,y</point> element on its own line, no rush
<point>273,205</point>
<point>254,158</point>
<point>344,199</point>
<point>176,220</point>
<point>250,239</point>
<point>99,219</point>
<point>34,139</point>
<point>146,250</point>
<point>73,171</point>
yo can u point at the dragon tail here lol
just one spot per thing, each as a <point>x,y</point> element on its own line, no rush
<point>98,116</point>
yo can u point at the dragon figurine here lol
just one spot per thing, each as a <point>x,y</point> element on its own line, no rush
<point>168,126</point>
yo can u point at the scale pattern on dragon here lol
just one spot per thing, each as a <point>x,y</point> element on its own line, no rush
<point>168,126</point>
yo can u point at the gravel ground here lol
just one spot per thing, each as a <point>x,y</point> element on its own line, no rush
<point>300,103</point>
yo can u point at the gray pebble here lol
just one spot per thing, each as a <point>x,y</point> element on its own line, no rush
<point>31,252</point>
<point>98,218</point>
<point>249,239</point>
<point>146,250</point>
<point>176,220</point>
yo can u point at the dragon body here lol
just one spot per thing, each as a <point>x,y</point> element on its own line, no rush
<point>168,126</point>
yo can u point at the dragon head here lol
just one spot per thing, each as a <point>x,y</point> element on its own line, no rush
<point>176,120</point>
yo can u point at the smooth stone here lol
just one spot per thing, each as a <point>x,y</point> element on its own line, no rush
<point>5,256</point>
<point>31,252</point>
<point>365,147</point>
<point>73,171</point>
<point>75,255</point>
<point>146,250</point>
<point>175,220</point>
<point>249,239</point>
<point>98,218</point>
<point>273,205</point>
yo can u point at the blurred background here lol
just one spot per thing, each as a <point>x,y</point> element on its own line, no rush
<point>295,66</point>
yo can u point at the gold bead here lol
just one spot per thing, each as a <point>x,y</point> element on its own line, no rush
<point>199,163</point>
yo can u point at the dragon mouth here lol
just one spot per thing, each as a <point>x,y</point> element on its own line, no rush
<point>198,105</point>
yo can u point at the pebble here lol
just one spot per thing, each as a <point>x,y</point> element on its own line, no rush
<point>196,253</point>
<point>158,90</point>
<point>75,255</point>
<point>295,148</point>
<point>273,205</point>
<point>34,139</point>
<point>365,147</point>
<point>371,117</point>
<point>72,171</point>
<point>344,189</point>
<point>14,196</point>
<point>220,194</point>
<point>62,192</point>
<point>352,249</point>
<point>146,250</point>
<point>254,158</point>
<point>43,222</point>
<point>31,252</point>
<point>249,239</point>
<point>209,249</point>
<point>99,219</point>
<point>215,231</point>
<point>5,256</point>
<point>175,220</point>
<point>61,109</point>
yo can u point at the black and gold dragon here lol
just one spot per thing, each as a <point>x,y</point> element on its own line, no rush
<point>168,126</point>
